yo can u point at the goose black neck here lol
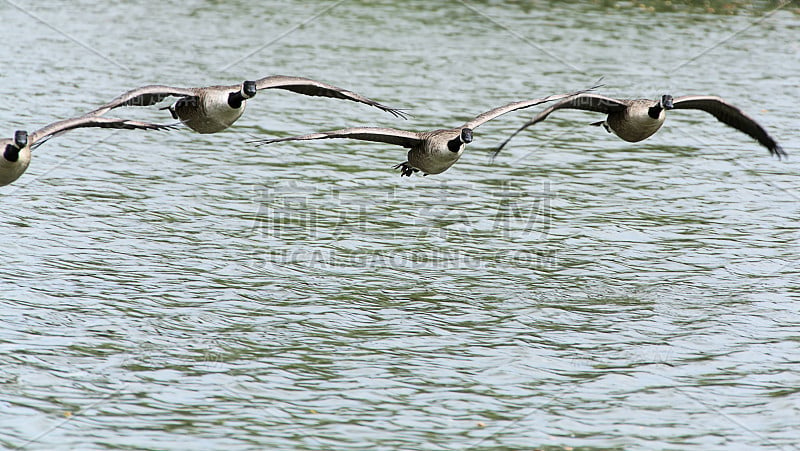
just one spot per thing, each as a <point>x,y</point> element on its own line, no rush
<point>655,111</point>
<point>235,100</point>
<point>11,153</point>
<point>454,145</point>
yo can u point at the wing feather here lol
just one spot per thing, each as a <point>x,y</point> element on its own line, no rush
<point>513,106</point>
<point>38,137</point>
<point>376,134</point>
<point>586,102</point>
<point>309,87</point>
<point>144,96</point>
<point>732,117</point>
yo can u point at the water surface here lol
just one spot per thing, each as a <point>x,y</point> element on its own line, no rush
<point>178,291</point>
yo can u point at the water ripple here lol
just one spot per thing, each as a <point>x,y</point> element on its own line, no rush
<point>578,291</point>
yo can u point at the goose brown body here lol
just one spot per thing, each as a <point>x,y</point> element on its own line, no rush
<point>12,167</point>
<point>634,124</point>
<point>208,111</point>
<point>432,155</point>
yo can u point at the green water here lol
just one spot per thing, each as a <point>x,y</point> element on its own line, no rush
<point>183,291</point>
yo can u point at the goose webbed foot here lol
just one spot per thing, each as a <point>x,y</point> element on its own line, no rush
<point>778,152</point>
<point>405,169</point>
<point>172,112</point>
<point>603,123</point>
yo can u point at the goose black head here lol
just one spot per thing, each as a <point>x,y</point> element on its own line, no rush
<point>249,89</point>
<point>11,150</point>
<point>666,102</point>
<point>466,135</point>
<point>20,138</point>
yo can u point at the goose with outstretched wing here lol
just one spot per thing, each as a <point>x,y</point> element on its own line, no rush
<point>638,119</point>
<point>16,152</point>
<point>212,109</point>
<point>431,152</point>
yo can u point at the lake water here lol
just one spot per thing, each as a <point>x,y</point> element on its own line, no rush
<point>170,290</point>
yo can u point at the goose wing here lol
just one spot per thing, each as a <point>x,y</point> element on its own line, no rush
<point>586,102</point>
<point>144,96</point>
<point>513,106</point>
<point>309,87</point>
<point>38,137</point>
<point>730,116</point>
<point>375,134</point>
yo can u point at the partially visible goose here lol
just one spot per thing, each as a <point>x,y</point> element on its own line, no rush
<point>636,120</point>
<point>214,108</point>
<point>17,152</point>
<point>431,152</point>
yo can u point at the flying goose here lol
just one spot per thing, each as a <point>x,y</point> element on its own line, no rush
<point>431,152</point>
<point>636,120</point>
<point>214,108</point>
<point>17,152</point>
